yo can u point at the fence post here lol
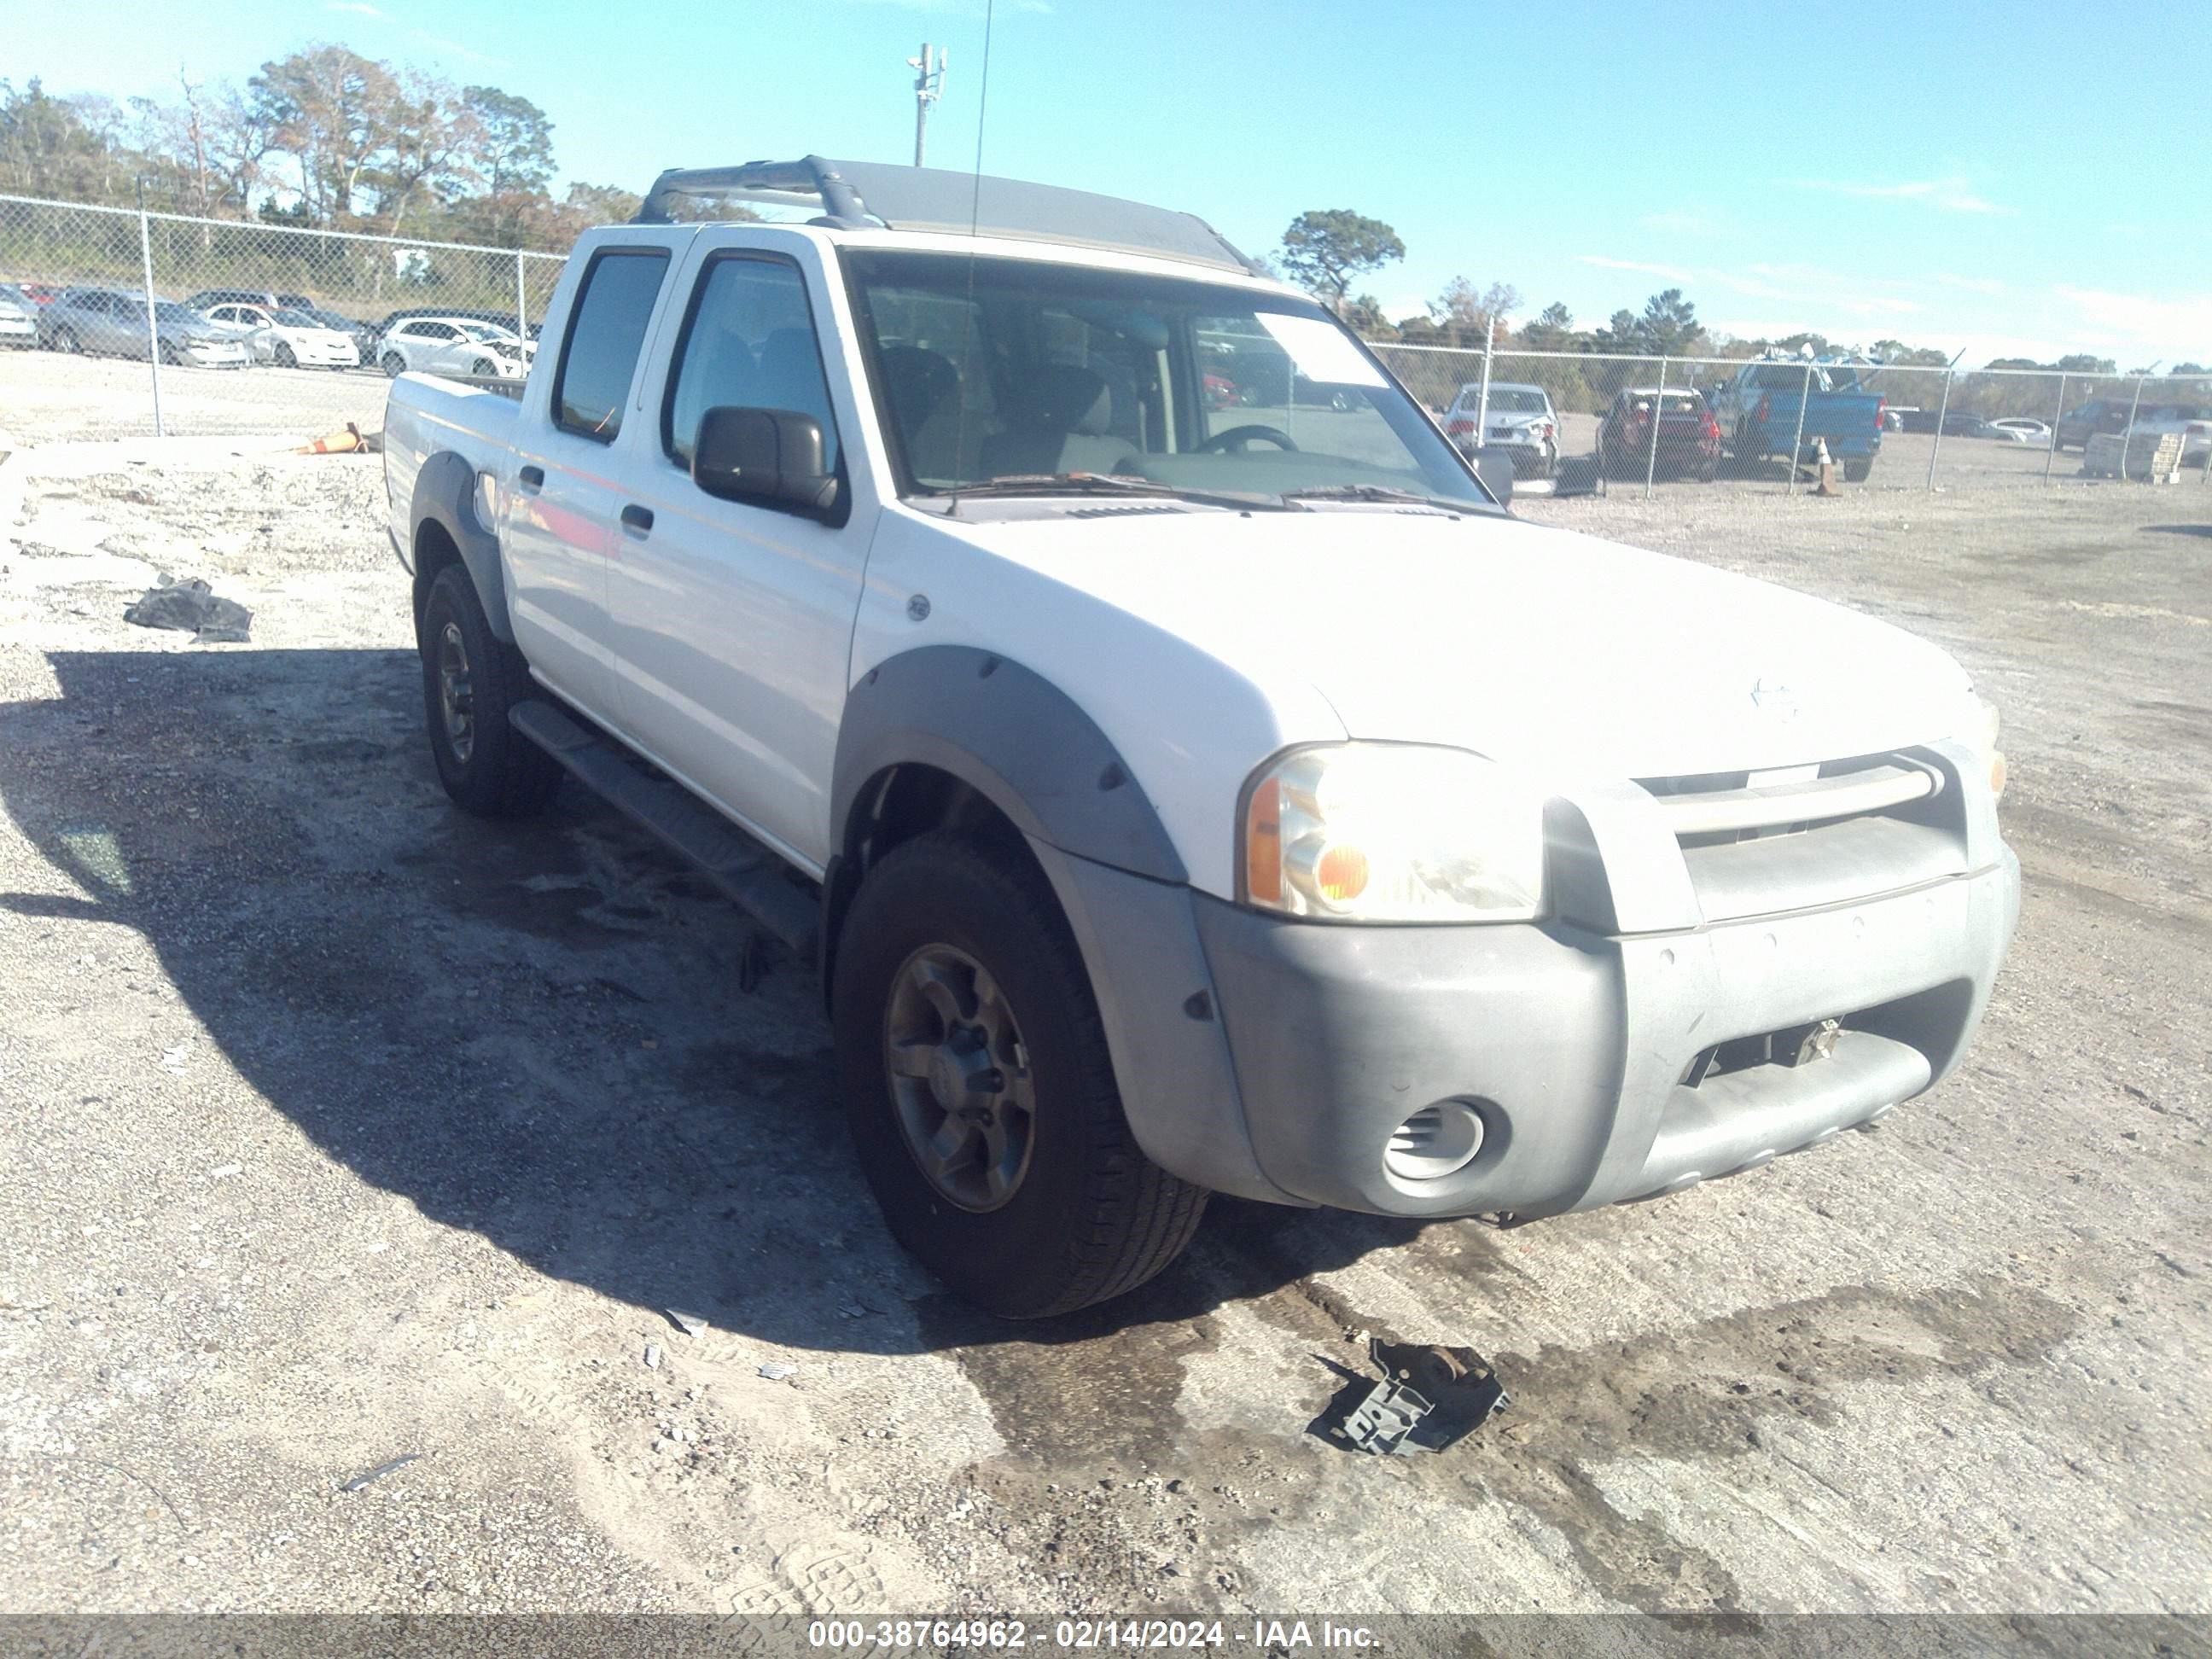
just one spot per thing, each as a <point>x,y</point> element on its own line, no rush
<point>1658,420</point>
<point>1943,408</point>
<point>153,326</point>
<point>2050,454</point>
<point>2128,437</point>
<point>521,304</point>
<point>1797,443</point>
<point>1482,404</point>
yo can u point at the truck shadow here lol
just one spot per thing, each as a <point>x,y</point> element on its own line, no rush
<point>534,1032</point>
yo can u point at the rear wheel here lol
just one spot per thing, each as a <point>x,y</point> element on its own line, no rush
<point>470,682</point>
<point>284,357</point>
<point>980,1092</point>
<point>171,354</point>
<point>394,364</point>
<point>65,340</point>
<point>483,366</point>
<point>1855,471</point>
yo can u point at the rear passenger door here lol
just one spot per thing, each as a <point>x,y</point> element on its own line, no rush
<point>733,623</point>
<point>562,521</point>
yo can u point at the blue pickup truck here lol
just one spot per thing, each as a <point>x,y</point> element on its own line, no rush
<point>1757,412</point>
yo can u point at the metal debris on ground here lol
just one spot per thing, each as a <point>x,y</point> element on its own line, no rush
<point>380,1471</point>
<point>190,607</point>
<point>775,1371</point>
<point>652,1355</point>
<point>690,1323</point>
<point>1430,1398</point>
<point>345,441</point>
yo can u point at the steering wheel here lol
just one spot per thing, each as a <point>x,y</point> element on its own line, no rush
<point>1238,436</point>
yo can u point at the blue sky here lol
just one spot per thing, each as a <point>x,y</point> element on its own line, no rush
<point>2003,179</point>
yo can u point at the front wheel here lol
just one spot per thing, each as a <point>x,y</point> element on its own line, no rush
<point>65,340</point>
<point>284,357</point>
<point>1857,471</point>
<point>394,364</point>
<point>980,1092</point>
<point>482,366</point>
<point>471,680</point>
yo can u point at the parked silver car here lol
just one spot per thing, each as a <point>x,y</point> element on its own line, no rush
<point>1519,420</point>
<point>114,322</point>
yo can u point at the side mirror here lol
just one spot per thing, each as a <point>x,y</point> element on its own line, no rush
<point>770,456</point>
<point>1494,466</point>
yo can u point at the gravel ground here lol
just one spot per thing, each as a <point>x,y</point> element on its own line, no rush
<point>343,1129</point>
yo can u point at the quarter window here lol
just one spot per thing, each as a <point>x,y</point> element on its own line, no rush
<point>606,332</point>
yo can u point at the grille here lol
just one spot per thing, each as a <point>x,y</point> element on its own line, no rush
<point>1717,807</point>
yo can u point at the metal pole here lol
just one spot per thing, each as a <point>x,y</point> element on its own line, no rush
<point>1482,404</point>
<point>153,328</point>
<point>521,308</point>
<point>2128,437</point>
<point>1658,418</point>
<point>2051,455</point>
<point>1797,443</point>
<point>1943,408</point>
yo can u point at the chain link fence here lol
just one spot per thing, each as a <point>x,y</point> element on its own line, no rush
<point>1608,422</point>
<point>339,290</point>
<point>1580,420</point>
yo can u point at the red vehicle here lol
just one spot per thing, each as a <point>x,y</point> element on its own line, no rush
<point>1687,435</point>
<point>1221,393</point>
<point>43,293</point>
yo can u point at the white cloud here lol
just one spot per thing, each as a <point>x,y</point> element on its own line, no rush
<point>1950,195</point>
<point>1672,273</point>
<point>2148,325</point>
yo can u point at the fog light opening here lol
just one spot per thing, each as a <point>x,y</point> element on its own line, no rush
<point>1439,1140</point>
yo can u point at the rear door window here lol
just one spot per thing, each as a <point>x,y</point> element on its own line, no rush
<point>606,332</point>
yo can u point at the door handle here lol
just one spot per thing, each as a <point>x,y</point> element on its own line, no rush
<point>533,477</point>
<point>637,519</point>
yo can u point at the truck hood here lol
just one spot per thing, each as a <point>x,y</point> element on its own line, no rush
<point>1569,655</point>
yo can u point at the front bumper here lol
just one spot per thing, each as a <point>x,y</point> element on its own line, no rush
<point>1276,1057</point>
<point>216,357</point>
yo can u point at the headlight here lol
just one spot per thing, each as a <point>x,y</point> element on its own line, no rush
<point>1392,832</point>
<point>1980,735</point>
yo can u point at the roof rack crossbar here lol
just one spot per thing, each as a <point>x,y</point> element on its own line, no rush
<point>800,184</point>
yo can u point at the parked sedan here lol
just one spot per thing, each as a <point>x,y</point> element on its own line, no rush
<point>2018,430</point>
<point>1637,435</point>
<point>114,322</point>
<point>454,345</point>
<point>287,338</point>
<point>1519,420</point>
<point>19,326</point>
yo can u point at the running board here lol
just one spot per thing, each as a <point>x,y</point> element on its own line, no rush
<point>748,872</point>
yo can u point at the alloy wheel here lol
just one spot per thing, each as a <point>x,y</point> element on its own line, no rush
<point>961,1085</point>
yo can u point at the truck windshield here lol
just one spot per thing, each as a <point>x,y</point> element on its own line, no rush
<point>988,369</point>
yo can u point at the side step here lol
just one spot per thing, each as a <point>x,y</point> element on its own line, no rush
<point>747,872</point>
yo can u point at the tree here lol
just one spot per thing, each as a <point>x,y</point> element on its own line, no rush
<point>1553,331</point>
<point>1364,316</point>
<point>2081,363</point>
<point>513,140</point>
<point>333,109</point>
<point>2189,368</point>
<point>45,148</point>
<point>1323,251</point>
<point>1462,314</point>
<point>1668,327</point>
<point>1619,335</point>
<point>429,135</point>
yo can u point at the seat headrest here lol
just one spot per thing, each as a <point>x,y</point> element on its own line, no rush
<point>919,381</point>
<point>1069,398</point>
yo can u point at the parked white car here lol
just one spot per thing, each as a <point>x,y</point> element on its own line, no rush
<point>18,326</point>
<point>454,345</point>
<point>289,340</point>
<point>2036,434</point>
<point>1175,798</point>
<point>1519,419</point>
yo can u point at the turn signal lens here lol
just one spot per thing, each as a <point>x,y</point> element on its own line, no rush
<point>1997,773</point>
<point>1263,843</point>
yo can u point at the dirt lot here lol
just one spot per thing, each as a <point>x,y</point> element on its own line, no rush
<point>342,1129</point>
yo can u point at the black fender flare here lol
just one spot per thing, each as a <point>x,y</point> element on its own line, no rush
<point>1014,738</point>
<point>445,495</point>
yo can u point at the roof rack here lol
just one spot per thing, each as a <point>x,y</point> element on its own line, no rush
<point>871,195</point>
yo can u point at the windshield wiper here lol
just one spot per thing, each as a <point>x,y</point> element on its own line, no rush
<point>1106,483</point>
<point>1382,493</point>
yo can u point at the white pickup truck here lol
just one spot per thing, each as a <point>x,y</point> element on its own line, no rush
<point>1177,798</point>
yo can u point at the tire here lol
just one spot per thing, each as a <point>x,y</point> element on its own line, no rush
<point>1857,471</point>
<point>285,359</point>
<point>171,355</point>
<point>65,340</point>
<point>1709,472</point>
<point>489,767</point>
<point>394,365</point>
<point>1083,1215</point>
<point>482,366</point>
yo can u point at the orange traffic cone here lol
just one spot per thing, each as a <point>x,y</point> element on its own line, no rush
<point>340,443</point>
